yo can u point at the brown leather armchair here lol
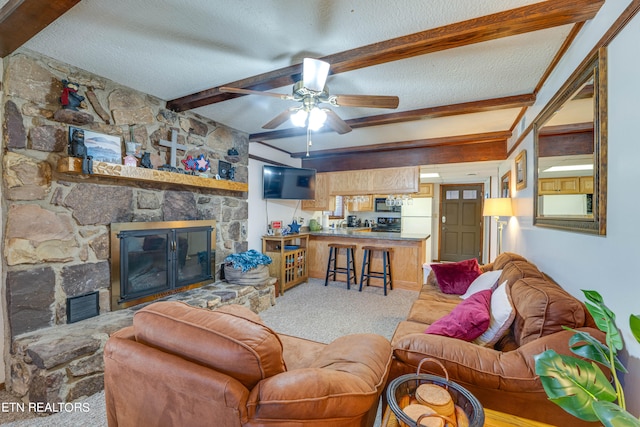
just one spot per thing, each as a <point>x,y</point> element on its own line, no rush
<point>179,365</point>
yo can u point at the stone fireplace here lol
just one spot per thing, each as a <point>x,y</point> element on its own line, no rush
<point>57,233</point>
<point>57,224</point>
<point>151,260</point>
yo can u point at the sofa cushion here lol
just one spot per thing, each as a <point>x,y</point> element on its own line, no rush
<point>229,341</point>
<point>516,270</point>
<point>345,380</point>
<point>502,315</point>
<point>433,293</point>
<point>467,321</point>
<point>484,281</point>
<point>428,311</point>
<point>542,308</point>
<point>504,258</point>
<point>455,277</point>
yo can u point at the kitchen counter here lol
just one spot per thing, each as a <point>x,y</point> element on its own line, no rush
<point>366,233</point>
<point>408,256</point>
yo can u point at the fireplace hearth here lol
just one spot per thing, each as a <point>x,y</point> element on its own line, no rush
<point>151,260</point>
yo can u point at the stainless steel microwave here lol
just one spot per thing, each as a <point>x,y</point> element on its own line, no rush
<point>381,206</point>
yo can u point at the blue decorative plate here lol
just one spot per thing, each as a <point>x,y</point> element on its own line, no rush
<point>290,247</point>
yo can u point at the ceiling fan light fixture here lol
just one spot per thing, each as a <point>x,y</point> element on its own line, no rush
<point>317,117</point>
<point>314,74</point>
<point>299,118</point>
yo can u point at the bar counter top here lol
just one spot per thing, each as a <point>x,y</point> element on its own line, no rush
<point>408,253</point>
<point>366,233</point>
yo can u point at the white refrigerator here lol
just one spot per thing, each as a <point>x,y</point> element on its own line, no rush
<point>418,218</point>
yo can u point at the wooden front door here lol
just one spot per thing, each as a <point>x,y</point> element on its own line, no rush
<point>460,222</point>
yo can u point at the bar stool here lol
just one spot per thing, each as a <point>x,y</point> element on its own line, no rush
<point>349,270</point>
<point>385,274</point>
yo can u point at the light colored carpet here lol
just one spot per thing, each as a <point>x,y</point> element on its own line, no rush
<point>309,310</point>
<point>324,313</point>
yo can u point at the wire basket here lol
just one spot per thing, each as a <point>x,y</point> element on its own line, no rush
<point>406,385</point>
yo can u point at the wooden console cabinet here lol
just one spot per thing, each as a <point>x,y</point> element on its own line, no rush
<point>289,256</point>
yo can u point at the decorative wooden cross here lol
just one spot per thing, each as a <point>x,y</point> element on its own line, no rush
<point>173,144</point>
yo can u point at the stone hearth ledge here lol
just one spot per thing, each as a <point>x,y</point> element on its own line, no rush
<point>64,363</point>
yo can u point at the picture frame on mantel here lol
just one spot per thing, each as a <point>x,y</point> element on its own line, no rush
<point>101,147</point>
<point>521,170</point>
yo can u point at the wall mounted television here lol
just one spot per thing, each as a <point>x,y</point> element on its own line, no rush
<point>281,182</point>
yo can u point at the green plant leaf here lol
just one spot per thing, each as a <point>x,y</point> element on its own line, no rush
<point>593,296</point>
<point>611,415</point>
<point>605,319</point>
<point>573,384</point>
<point>634,323</point>
<point>587,347</point>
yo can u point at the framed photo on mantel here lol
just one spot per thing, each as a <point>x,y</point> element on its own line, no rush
<point>100,147</point>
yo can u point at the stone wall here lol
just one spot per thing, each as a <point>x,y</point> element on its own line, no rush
<point>56,235</point>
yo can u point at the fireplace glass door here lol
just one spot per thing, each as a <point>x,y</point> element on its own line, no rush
<point>157,259</point>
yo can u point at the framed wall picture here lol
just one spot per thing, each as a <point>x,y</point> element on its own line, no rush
<point>521,170</point>
<point>100,147</point>
<point>505,185</point>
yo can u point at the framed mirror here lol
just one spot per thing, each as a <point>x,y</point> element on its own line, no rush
<point>505,185</point>
<point>570,153</point>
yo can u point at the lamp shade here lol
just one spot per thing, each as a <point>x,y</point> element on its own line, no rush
<point>500,206</point>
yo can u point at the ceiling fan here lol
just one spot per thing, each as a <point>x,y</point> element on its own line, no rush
<point>311,92</point>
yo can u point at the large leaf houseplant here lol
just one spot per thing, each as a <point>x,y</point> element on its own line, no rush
<point>578,385</point>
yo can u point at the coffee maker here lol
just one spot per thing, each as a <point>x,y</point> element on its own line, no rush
<point>352,221</point>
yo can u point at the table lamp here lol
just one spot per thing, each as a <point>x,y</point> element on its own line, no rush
<point>496,208</point>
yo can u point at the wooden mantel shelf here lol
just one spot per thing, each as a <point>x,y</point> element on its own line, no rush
<point>73,165</point>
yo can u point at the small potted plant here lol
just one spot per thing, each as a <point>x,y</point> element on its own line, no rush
<point>579,386</point>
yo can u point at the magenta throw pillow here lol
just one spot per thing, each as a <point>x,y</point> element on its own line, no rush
<point>455,277</point>
<point>468,320</point>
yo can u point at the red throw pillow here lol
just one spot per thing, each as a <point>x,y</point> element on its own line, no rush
<point>468,320</point>
<point>455,277</point>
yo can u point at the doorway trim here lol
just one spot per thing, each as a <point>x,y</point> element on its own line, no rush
<point>442,196</point>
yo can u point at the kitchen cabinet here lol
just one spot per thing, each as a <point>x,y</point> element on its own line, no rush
<point>586,184</point>
<point>395,180</point>
<point>363,204</point>
<point>375,181</point>
<point>424,190</point>
<point>349,182</point>
<point>289,258</point>
<point>323,201</point>
<point>565,185</point>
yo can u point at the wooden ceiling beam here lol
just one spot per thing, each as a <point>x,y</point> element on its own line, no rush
<point>500,136</point>
<point>516,101</point>
<point>538,16</point>
<point>22,19</point>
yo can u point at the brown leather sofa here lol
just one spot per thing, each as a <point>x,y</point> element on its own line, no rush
<point>503,377</point>
<point>183,366</point>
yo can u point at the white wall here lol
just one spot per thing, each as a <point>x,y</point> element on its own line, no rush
<point>581,261</point>
<point>262,211</point>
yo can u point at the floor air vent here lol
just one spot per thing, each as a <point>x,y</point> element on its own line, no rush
<point>82,307</point>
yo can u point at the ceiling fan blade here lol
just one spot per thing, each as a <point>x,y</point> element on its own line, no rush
<point>369,101</point>
<point>253,92</point>
<point>279,119</point>
<point>336,123</point>
<point>314,74</point>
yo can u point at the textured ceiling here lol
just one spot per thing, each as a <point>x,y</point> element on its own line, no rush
<point>173,48</point>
